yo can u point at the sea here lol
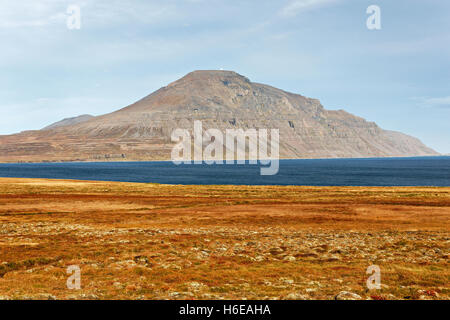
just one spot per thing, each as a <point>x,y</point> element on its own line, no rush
<point>416,171</point>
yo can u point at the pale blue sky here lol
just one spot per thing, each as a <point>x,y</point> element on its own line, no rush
<point>398,76</point>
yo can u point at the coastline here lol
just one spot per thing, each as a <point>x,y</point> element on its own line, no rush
<point>165,160</point>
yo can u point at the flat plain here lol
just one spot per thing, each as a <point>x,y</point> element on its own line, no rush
<point>150,241</point>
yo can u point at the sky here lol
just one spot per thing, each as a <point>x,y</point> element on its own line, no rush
<point>397,76</point>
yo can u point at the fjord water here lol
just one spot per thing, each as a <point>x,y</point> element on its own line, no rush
<point>420,171</point>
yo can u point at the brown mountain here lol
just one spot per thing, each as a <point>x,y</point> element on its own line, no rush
<point>221,99</point>
<point>69,121</point>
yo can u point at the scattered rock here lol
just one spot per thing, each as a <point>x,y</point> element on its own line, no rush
<point>345,295</point>
<point>429,293</point>
<point>174,294</point>
<point>296,296</point>
<point>44,296</point>
<point>195,286</point>
<point>276,251</point>
<point>289,258</point>
<point>287,281</point>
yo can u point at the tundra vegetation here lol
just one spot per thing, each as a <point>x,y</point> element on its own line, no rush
<point>150,241</point>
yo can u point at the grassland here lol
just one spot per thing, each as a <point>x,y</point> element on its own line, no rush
<point>149,241</point>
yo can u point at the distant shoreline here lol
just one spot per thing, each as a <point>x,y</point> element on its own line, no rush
<point>146,161</point>
<point>68,181</point>
<point>4,180</point>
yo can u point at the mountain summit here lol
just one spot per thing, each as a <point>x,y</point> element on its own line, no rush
<point>222,100</point>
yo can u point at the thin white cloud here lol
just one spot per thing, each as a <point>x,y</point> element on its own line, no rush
<point>435,102</point>
<point>116,13</point>
<point>295,7</point>
<point>442,102</point>
<point>47,13</point>
<point>26,13</point>
<point>412,45</point>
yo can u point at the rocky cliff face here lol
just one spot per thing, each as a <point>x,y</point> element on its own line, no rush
<point>221,99</point>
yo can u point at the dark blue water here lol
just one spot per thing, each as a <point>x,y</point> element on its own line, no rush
<point>425,171</point>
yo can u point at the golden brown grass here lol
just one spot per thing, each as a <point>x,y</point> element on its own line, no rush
<point>149,241</point>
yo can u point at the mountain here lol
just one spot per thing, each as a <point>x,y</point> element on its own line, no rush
<point>69,121</point>
<point>221,99</point>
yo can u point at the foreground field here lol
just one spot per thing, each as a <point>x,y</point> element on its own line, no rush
<point>148,241</point>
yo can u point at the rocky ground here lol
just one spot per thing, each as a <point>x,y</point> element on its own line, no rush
<point>147,241</point>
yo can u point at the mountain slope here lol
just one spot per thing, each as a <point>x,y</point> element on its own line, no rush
<point>221,99</point>
<point>69,121</point>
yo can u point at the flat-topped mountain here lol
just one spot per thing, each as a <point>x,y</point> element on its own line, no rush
<point>221,99</point>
